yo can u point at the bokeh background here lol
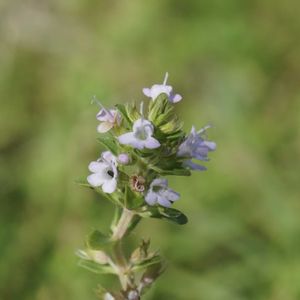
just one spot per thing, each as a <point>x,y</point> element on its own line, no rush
<point>237,64</point>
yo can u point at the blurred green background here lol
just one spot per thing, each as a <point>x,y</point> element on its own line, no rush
<point>236,63</point>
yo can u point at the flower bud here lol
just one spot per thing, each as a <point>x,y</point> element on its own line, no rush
<point>108,296</point>
<point>133,295</point>
<point>123,159</point>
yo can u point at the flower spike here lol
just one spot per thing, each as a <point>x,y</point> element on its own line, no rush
<point>143,146</point>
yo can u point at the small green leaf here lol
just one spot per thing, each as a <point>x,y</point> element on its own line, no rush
<point>96,240</point>
<point>95,267</point>
<point>159,212</point>
<point>111,197</point>
<point>108,141</point>
<point>173,215</point>
<point>132,200</point>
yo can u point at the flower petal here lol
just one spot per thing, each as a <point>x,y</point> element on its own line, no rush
<point>163,201</point>
<point>151,143</point>
<point>142,123</point>
<point>158,89</point>
<point>175,98</point>
<point>95,179</point>
<point>108,156</point>
<point>163,182</point>
<point>97,167</point>
<point>147,92</point>
<point>109,186</point>
<point>104,127</point>
<point>103,115</point>
<point>151,198</point>
<point>129,139</point>
<point>172,195</point>
<point>210,145</point>
<point>194,166</point>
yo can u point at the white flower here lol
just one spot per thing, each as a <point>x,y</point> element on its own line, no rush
<point>158,89</point>
<point>108,118</point>
<point>105,173</point>
<point>160,193</point>
<point>141,136</point>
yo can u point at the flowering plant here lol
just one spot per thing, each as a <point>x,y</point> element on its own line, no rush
<point>143,145</point>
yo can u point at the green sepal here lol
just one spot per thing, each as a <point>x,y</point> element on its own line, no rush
<point>122,110</point>
<point>146,263</point>
<point>132,112</point>
<point>108,141</point>
<point>97,240</point>
<point>170,214</point>
<point>95,267</point>
<point>162,115</point>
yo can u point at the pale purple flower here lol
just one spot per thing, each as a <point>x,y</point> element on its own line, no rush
<point>123,159</point>
<point>141,136</point>
<point>160,193</point>
<point>158,89</point>
<point>104,173</point>
<point>195,146</point>
<point>108,118</point>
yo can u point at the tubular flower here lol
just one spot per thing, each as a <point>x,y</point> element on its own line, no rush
<point>158,89</point>
<point>105,173</point>
<point>141,136</point>
<point>194,146</point>
<point>108,118</point>
<point>160,193</point>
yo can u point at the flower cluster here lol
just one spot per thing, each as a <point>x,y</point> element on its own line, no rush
<point>143,145</point>
<point>148,146</point>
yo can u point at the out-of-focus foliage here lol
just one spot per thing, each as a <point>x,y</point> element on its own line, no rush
<point>236,63</point>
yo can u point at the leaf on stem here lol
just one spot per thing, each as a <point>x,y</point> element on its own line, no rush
<point>95,267</point>
<point>145,263</point>
<point>170,214</point>
<point>108,141</point>
<point>97,240</point>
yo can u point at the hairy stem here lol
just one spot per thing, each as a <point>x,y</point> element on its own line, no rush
<point>119,232</point>
<point>121,228</point>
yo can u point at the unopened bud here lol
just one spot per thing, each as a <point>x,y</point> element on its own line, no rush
<point>133,295</point>
<point>123,159</point>
<point>108,296</point>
